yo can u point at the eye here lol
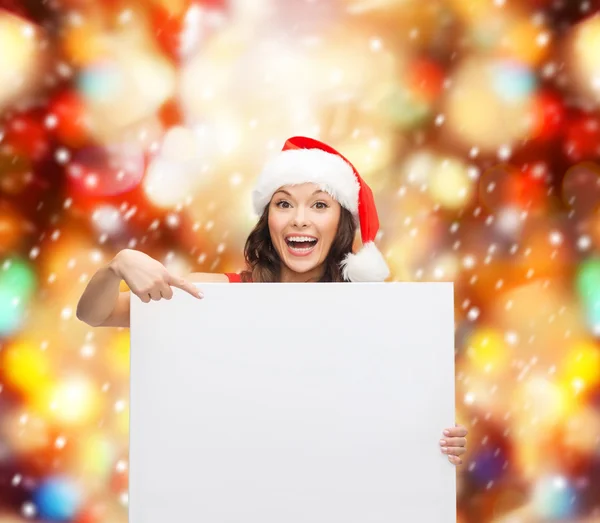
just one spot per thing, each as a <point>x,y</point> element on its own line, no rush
<point>283,204</point>
<point>321,205</point>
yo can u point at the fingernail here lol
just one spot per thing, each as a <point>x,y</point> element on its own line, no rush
<point>200,295</point>
<point>447,432</point>
<point>444,449</point>
<point>442,442</point>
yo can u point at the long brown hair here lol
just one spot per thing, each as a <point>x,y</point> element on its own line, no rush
<point>264,264</point>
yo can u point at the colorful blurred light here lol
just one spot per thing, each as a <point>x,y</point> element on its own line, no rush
<point>150,120</point>
<point>488,351</point>
<point>26,367</point>
<point>581,188</point>
<point>19,59</point>
<point>426,79</point>
<point>83,41</point>
<point>554,498</point>
<point>26,135</point>
<point>12,227</point>
<point>17,285</point>
<point>107,220</point>
<point>582,430</point>
<point>94,457</point>
<point>117,353</point>
<point>450,184</point>
<point>121,418</point>
<point>177,170</point>
<point>580,368</point>
<point>498,95</point>
<point>58,499</point>
<point>71,119</point>
<point>549,115</point>
<point>582,137</point>
<point>512,81</point>
<point>125,88</point>
<point>527,41</point>
<point>74,401</point>
<point>586,61</point>
<point>101,82</point>
<point>488,465</point>
<point>106,171</point>
<point>24,431</point>
<point>588,288</point>
<point>543,405</point>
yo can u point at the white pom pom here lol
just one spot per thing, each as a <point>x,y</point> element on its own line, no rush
<point>367,265</point>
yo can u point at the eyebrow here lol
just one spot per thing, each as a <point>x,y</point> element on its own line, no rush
<point>316,192</point>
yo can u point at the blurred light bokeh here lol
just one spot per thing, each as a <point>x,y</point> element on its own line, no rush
<point>130,124</point>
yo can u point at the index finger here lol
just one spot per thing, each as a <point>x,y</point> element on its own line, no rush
<point>186,286</point>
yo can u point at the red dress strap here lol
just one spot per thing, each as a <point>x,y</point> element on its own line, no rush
<point>233,277</point>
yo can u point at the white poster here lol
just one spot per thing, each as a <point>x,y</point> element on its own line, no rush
<point>293,403</point>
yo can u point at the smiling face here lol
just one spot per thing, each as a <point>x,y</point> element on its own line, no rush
<point>303,222</point>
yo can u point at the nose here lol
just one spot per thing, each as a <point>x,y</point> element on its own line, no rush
<point>300,218</point>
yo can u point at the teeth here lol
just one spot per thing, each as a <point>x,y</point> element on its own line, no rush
<point>300,239</point>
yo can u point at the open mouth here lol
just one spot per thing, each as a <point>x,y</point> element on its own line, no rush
<point>301,244</point>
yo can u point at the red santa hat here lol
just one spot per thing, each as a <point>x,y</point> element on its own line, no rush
<point>304,160</point>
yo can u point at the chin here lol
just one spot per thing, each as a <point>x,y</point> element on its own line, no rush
<point>301,267</point>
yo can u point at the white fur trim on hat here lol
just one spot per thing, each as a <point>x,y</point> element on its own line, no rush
<point>367,265</point>
<point>296,166</point>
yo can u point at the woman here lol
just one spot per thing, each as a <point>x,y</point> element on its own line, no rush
<point>310,200</point>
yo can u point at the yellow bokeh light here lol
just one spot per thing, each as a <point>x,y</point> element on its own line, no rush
<point>586,59</point>
<point>18,58</point>
<point>73,402</point>
<point>530,457</point>
<point>581,367</point>
<point>26,367</point>
<point>173,8</point>
<point>177,171</point>
<point>470,10</point>
<point>487,350</point>
<point>369,154</point>
<point>118,353</point>
<point>581,430</point>
<point>526,41</point>
<point>24,431</point>
<point>121,421</point>
<point>94,456</point>
<point>84,43</point>
<point>543,403</point>
<point>489,103</point>
<point>450,185</point>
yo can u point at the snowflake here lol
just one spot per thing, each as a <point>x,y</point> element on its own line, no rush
<point>584,242</point>
<point>375,44</point>
<point>473,314</point>
<point>468,262</point>
<point>504,152</point>
<point>29,510</point>
<point>556,238</point>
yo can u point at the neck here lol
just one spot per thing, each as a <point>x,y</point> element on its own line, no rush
<point>289,276</point>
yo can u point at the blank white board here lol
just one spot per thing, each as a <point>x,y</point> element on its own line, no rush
<point>293,403</point>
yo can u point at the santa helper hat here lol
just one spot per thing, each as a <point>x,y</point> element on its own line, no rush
<point>305,160</point>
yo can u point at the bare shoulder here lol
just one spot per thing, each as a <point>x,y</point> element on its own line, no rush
<point>207,277</point>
